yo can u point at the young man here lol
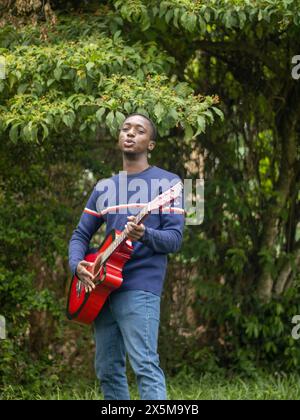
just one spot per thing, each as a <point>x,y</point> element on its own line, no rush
<point>129,320</point>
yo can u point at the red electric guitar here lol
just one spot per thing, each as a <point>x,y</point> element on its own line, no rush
<point>109,260</point>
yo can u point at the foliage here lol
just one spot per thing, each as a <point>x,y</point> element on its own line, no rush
<point>248,333</point>
<point>83,83</point>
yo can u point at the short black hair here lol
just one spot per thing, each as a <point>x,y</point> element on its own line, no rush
<point>153,126</point>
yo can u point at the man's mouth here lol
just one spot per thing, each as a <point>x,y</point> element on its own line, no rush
<point>128,143</point>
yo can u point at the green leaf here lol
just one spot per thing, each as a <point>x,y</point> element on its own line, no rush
<point>82,126</point>
<point>145,24</point>
<point>159,111</point>
<point>140,75</point>
<point>116,36</point>
<point>218,112</point>
<point>27,132</point>
<point>120,118</point>
<point>184,19</point>
<point>191,22</point>
<point>68,120</point>
<point>127,107</point>
<point>100,113</point>
<point>209,114</point>
<point>188,132</point>
<point>207,14</point>
<point>22,88</point>
<point>176,17</point>
<point>50,82</point>
<point>57,73</point>
<point>14,132</point>
<point>202,24</point>
<point>34,133</point>
<point>169,15</point>
<point>173,114</point>
<point>45,130</point>
<point>242,18</point>
<point>110,119</point>
<point>201,124</point>
<point>89,66</point>
<point>228,18</point>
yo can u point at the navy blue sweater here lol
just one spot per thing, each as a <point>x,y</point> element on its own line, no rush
<point>111,201</point>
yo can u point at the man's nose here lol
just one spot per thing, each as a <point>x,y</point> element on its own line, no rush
<point>130,133</point>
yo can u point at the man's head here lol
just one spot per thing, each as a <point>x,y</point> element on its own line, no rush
<point>137,134</point>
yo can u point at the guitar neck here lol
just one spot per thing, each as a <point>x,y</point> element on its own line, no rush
<point>122,237</point>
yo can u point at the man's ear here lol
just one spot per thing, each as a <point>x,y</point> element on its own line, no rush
<point>151,145</point>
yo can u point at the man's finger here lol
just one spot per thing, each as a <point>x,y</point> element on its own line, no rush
<point>133,225</point>
<point>89,283</point>
<point>87,273</point>
<point>90,275</point>
<point>87,263</point>
<point>129,227</point>
<point>88,289</point>
<point>86,277</point>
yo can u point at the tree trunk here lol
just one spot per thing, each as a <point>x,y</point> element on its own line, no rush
<point>286,128</point>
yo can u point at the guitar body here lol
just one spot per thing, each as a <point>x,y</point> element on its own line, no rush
<point>82,306</point>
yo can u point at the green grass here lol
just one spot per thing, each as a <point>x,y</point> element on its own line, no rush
<point>207,387</point>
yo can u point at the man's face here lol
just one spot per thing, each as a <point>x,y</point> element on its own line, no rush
<point>134,137</point>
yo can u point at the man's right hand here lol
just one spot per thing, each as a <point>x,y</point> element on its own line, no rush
<point>85,276</point>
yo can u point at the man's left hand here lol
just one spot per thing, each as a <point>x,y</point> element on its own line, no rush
<point>133,231</point>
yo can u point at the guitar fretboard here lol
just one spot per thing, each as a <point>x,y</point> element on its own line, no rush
<point>120,238</point>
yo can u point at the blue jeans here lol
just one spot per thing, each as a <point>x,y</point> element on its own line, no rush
<point>129,323</point>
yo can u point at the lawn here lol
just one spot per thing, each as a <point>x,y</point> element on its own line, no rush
<point>207,387</point>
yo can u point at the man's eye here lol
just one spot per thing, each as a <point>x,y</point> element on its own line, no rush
<point>124,129</point>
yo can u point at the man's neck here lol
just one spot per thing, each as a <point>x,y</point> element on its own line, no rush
<point>134,166</point>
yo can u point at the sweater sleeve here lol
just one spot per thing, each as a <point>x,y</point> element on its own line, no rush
<point>168,238</point>
<point>90,221</point>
